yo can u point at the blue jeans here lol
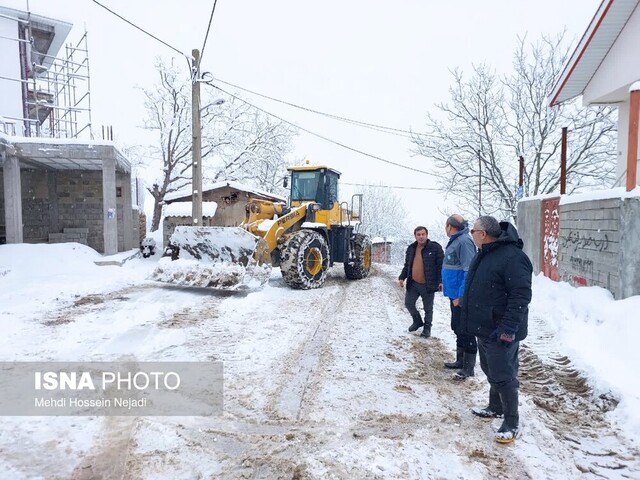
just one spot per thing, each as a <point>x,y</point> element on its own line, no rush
<point>499,362</point>
<point>414,291</point>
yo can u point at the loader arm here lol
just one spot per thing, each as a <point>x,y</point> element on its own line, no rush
<point>283,225</point>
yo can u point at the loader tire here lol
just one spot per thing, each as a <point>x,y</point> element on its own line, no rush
<point>304,260</point>
<point>360,266</point>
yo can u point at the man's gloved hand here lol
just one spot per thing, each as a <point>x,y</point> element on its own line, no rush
<point>503,334</point>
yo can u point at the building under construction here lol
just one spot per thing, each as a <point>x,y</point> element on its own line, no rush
<point>57,183</point>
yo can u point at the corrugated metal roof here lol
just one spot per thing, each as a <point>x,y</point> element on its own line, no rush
<point>604,29</point>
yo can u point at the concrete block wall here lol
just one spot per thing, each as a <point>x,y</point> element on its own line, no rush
<point>79,203</point>
<point>598,242</point>
<point>630,254</point>
<point>35,206</point>
<point>78,235</point>
<point>589,243</point>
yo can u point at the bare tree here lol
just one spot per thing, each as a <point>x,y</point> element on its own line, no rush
<point>168,107</point>
<point>248,146</point>
<point>383,213</point>
<point>491,121</point>
<point>237,141</point>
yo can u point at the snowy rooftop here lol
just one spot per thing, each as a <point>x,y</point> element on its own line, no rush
<point>55,153</point>
<point>383,240</point>
<point>186,192</point>
<point>184,209</point>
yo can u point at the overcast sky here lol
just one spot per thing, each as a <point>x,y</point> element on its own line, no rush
<point>376,61</point>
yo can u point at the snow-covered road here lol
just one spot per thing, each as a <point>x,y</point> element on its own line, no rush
<point>318,384</point>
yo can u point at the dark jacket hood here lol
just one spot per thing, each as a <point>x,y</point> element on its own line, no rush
<point>509,235</point>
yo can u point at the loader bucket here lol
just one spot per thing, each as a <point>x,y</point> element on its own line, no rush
<point>224,258</point>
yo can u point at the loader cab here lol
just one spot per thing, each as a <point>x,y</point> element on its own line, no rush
<point>314,184</point>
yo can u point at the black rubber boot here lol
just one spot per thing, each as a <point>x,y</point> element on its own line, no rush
<point>494,410</point>
<point>508,432</point>
<point>417,323</point>
<point>458,362</point>
<point>426,331</point>
<point>468,365</point>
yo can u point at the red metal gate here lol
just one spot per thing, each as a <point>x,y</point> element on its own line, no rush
<point>550,237</point>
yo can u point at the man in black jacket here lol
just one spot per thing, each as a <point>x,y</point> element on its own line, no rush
<point>422,274</point>
<point>495,309</point>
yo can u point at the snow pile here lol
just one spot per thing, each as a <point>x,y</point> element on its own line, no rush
<point>601,335</point>
<point>215,244</point>
<point>35,277</point>
<point>224,276</point>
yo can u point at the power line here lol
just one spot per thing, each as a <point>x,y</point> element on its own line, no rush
<point>204,44</point>
<point>139,28</point>
<point>390,186</point>
<point>375,157</point>
<point>380,128</point>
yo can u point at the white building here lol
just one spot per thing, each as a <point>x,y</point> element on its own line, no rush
<point>605,70</point>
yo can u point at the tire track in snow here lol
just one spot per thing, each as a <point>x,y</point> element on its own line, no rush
<point>301,364</point>
<point>571,409</point>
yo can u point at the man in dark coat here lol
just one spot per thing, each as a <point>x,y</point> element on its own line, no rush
<point>422,275</point>
<point>495,309</point>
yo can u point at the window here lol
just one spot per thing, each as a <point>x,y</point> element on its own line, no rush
<point>304,185</point>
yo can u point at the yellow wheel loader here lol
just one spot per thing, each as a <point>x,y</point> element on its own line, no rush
<point>304,239</point>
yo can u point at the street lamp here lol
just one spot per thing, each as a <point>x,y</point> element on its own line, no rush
<point>215,103</point>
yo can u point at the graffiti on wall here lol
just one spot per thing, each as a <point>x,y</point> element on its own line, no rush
<point>578,240</point>
<point>582,265</point>
<point>575,280</point>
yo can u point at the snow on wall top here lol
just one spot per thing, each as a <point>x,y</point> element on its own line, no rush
<point>185,192</point>
<point>618,192</point>
<point>184,209</point>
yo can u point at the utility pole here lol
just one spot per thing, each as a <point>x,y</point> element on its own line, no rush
<point>479,185</point>
<point>563,162</point>
<point>521,174</point>
<point>196,131</point>
<point>520,192</point>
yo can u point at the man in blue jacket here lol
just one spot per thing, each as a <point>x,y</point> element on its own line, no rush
<point>457,257</point>
<point>495,308</point>
<point>422,274</point>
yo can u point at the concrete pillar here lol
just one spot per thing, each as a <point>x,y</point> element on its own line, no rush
<point>12,198</point>
<point>109,208</point>
<point>127,214</point>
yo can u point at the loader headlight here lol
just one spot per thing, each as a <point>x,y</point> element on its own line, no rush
<point>314,207</point>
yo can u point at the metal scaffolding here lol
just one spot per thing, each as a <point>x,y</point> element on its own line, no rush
<point>56,98</point>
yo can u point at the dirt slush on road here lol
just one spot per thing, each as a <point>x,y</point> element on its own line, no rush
<point>323,383</point>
